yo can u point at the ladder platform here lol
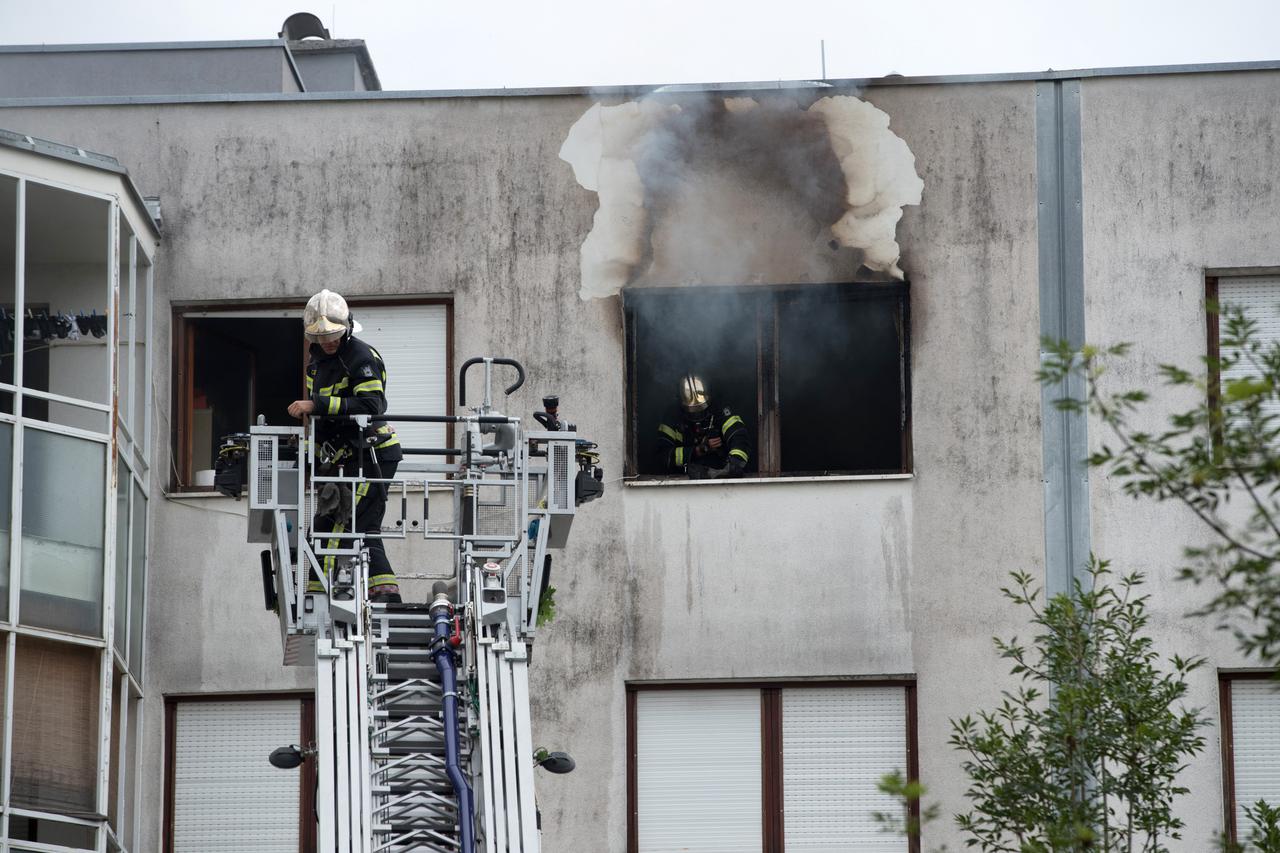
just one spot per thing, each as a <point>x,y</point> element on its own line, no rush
<point>400,607</point>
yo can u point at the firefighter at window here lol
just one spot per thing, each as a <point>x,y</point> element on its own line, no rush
<point>701,440</point>
<point>346,376</point>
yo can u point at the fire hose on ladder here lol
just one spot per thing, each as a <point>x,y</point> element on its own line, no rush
<point>446,664</point>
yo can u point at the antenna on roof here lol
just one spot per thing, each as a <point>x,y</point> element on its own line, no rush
<point>301,25</point>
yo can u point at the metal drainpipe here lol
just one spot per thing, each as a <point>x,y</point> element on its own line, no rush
<point>443,656</point>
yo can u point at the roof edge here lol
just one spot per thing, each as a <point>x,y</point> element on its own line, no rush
<point>141,45</point>
<point>641,90</point>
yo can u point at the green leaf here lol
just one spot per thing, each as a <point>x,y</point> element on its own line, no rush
<point>546,607</point>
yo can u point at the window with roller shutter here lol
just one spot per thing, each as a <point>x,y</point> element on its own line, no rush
<point>767,767</point>
<point>222,794</point>
<point>1250,706</point>
<point>1258,297</point>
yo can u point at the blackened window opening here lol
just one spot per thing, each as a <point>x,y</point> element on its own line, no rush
<point>243,367</point>
<point>819,373</point>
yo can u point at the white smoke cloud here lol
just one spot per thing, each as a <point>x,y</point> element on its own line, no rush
<point>607,146</point>
<point>601,149</point>
<point>880,174</point>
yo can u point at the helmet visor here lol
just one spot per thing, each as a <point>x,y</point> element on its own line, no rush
<point>324,337</point>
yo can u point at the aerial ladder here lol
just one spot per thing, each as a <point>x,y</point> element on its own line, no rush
<point>423,736</point>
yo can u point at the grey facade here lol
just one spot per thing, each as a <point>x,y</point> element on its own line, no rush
<point>464,195</point>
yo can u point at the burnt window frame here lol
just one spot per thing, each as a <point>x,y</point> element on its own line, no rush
<point>181,470</point>
<point>767,442</point>
<point>773,829</point>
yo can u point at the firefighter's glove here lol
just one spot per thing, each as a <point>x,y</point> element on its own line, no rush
<point>732,468</point>
<point>709,444</point>
<point>333,501</point>
<point>699,472</point>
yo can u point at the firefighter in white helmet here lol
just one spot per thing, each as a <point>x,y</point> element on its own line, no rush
<point>346,376</point>
<point>699,440</point>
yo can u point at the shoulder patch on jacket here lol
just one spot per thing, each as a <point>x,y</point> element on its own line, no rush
<point>367,371</point>
<point>727,412</point>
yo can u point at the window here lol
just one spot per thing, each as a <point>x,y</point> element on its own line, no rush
<point>1250,745</point>
<point>759,768</point>
<point>1258,296</point>
<point>820,373</point>
<point>63,518</point>
<point>234,364</point>
<point>55,725</point>
<point>221,794</point>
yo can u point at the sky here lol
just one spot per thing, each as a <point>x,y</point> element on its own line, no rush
<point>428,44</point>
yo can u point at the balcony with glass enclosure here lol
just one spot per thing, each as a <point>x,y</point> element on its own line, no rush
<point>76,251</point>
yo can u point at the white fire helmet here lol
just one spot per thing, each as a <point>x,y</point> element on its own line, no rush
<point>327,318</point>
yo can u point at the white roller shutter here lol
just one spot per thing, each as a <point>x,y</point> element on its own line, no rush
<point>1255,740</point>
<point>836,744</point>
<point>226,797</point>
<point>413,343</point>
<point>698,771</point>
<point>1259,298</point>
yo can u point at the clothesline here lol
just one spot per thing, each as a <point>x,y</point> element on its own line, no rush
<point>44,326</point>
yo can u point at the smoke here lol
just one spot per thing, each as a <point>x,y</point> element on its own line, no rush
<point>733,191</point>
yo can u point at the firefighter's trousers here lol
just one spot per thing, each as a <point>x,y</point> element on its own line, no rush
<point>371,505</point>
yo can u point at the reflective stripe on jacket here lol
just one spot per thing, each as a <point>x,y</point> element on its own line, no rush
<point>678,439</point>
<point>352,381</point>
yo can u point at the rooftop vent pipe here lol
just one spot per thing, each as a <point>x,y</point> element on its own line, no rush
<point>301,25</point>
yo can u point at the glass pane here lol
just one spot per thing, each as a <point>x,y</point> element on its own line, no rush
<point>141,336</point>
<point>6,512</point>
<point>63,503</point>
<point>68,291</point>
<point>137,582</point>
<point>124,328</point>
<point>840,368</point>
<point>124,486</point>
<point>8,282</point>
<point>51,832</point>
<point>114,769</point>
<point>131,772</point>
<point>55,727</point>
<point>4,680</point>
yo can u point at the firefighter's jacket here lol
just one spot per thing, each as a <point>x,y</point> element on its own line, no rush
<point>679,440</point>
<point>352,381</point>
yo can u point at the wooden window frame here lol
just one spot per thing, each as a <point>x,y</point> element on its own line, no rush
<point>307,736</point>
<point>1213,349</point>
<point>182,370</point>
<point>768,438</point>
<point>771,780</point>
<point>1225,680</point>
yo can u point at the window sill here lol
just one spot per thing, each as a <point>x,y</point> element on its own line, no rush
<point>742,481</point>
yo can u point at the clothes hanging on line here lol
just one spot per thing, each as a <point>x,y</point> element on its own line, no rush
<point>43,326</point>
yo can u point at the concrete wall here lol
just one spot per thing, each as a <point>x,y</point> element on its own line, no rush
<point>1180,177</point>
<point>467,196</point>
<point>59,73</point>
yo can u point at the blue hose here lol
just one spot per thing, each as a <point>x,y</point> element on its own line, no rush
<point>447,666</point>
